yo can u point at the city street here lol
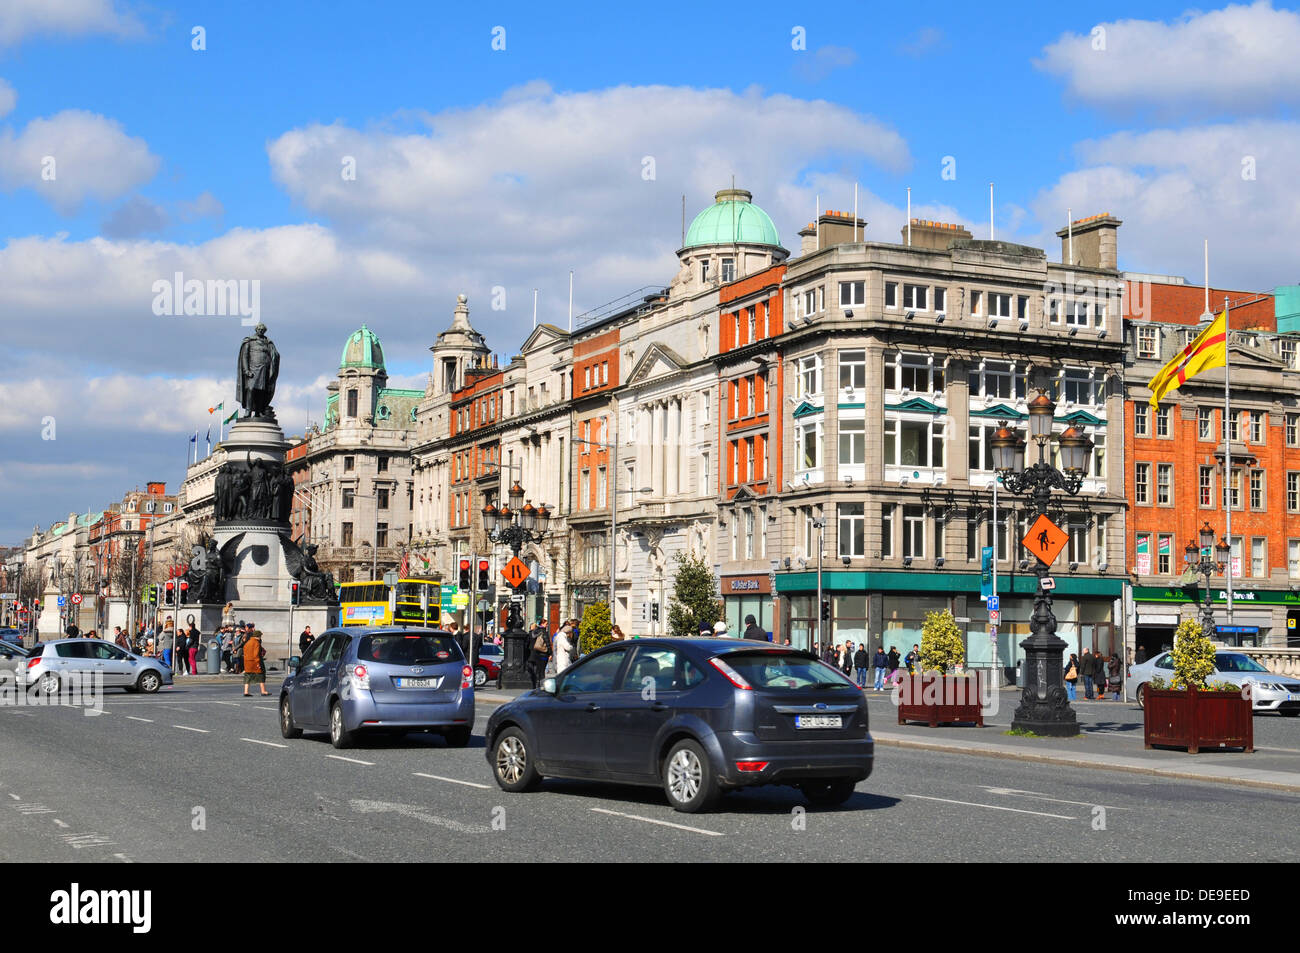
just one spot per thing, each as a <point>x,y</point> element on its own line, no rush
<point>199,773</point>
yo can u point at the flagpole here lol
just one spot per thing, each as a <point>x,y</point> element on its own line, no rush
<point>1227,446</point>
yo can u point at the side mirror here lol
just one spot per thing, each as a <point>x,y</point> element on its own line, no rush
<point>293,662</point>
<point>548,686</point>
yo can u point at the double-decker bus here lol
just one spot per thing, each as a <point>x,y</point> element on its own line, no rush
<point>374,602</point>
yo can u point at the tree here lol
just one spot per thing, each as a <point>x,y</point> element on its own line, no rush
<point>1193,655</point>
<point>942,647</point>
<point>695,596</point>
<point>594,630</point>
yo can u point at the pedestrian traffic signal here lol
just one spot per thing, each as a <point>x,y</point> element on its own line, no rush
<point>185,592</point>
<point>293,593</point>
<point>170,593</point>
<point>484,575</point>
<point>464,574</point>
<point>151,594</point>
<point>826,610</point>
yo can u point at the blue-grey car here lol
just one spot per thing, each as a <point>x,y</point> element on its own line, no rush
<point>382,679</point>
<point>698,716</point>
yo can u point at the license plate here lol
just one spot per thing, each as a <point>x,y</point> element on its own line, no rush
<point>817,721</point>
<point>1293,698</point>
<point>418,682</point>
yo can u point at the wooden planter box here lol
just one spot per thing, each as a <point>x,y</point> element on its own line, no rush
<point>941,699</point>
<point>1196,720</point>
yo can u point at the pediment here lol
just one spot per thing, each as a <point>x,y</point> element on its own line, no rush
<point>657,361</point>
<point>544,335</point>
<point>917,405</point>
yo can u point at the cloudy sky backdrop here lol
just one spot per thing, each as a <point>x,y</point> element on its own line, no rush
<point>479,168</point>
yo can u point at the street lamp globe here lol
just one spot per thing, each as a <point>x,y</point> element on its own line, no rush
<point>490,517</point>
<point>1191,554</point>
<point>516,496</point>
<point>1075,450</point>
<point>543,518</point>
<point>528,517</point>
<point>504,517</point>
<point>1004,443</point>
<point>1223,551</point>
<point>1042,411</point>
<point>1207,536</point>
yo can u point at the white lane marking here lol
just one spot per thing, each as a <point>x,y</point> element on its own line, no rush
<point>124,859</point>
<point>265,708</point>
<point>15,797</point>
<point>468,784</point>
<point>231,704</point>
<point>339,757</point>
<point>93,712</point>
<point>269,744</point>
<point>651,820</point>
<point>415,813</point>
<point>991,807</point>
<point>202,731</point>
<point>188,711</point>
<point>60,823</point>
<point>133,718</point>
<point>1012,792</point>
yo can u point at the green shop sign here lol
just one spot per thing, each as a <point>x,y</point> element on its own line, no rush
<point>1263,597</point>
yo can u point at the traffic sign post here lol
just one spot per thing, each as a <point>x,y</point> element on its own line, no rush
<point>994,618</point>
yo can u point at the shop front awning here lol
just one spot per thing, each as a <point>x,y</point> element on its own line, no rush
<point>949,582</point>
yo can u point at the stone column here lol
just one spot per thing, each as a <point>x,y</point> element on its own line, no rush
<point>672,448</point>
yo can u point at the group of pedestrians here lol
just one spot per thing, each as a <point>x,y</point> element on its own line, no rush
<point>1099,673</point>
<point>883,669</point>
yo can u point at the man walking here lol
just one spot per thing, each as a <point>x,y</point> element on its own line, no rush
<point>752,630</point>
<point>860,663</point>
<point>1087,668</point>
<point>305,640</point>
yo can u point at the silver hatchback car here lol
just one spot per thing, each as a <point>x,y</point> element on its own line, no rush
<point>1268,691</point>
<point>52,665</point>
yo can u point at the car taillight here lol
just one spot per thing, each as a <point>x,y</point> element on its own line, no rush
<point>32,663</point>
<point>731,674</point>
<point>466,677</point>
<point>751,765</point>
<point>361,677</point>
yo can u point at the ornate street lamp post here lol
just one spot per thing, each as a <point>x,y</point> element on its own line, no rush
<point>1044,707</point>
<point>1198,561</point>
<point>514,525</point>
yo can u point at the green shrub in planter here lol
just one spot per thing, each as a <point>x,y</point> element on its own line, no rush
<point>942,647</point>
<point>1193,656</point>
<point>594,630</point>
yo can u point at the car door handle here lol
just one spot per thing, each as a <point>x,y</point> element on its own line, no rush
<point>658,706</point>
<point>592,706</point>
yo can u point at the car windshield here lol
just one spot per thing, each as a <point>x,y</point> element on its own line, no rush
<point>408,648</point>
<point>1235,662</point>
<point>786,670</point>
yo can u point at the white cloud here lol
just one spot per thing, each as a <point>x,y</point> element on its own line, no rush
<point>827,59</point>
<point>1240,58</point>
<point>8,98</point>
<point>927,40</point>
<point>20,19</point>
<point>1174,188</point>
<point>74,155</point>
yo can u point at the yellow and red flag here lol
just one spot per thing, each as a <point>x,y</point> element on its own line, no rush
<point>1208,350</point>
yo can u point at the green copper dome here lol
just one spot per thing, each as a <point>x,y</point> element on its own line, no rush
<point>363,350</point>
<point>730,219</point>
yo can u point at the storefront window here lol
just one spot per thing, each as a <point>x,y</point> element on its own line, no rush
<point>849,619</point>
<point>759,606</point>
<point>903,616</point>
<point>803,621</point>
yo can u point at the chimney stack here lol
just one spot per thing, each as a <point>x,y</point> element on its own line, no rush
<point>1095,240</point>
<point>836,228</point>
<point>934,235</point>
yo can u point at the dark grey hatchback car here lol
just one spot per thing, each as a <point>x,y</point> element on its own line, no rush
<point>697,716</point>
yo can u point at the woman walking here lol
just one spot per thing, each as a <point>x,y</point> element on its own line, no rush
<point>1071,676</point>
<point>254,673</point>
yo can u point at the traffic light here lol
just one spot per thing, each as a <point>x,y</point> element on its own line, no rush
<point>464,574</point>
<point>293,593</point>
<point>151,594</point>
<point>185,592</point>
<point>483,575</point>
<point>435,613</point>
<point>654,612</point>
<point>826,610</point>
<point>169,595</point>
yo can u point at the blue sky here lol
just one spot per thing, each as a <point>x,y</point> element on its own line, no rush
<point>483,168</point>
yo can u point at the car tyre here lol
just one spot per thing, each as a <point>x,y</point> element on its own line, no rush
<point>340,737</point>
<point>457,737</point>
<point>1142,695</point>
<point>149,682</point>
<point>688,778</point>
<point>480,677</point>
<point>829,793</point>
<point>512,762</point>
<point>49,684</point>
<point>287,728</point>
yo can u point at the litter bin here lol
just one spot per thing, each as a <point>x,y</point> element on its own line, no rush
<point>214,657</point>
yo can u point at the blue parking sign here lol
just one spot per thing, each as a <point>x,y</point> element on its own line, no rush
<point>61,601</point>
<point>994,603</point>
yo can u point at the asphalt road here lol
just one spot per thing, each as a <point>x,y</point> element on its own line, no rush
<point>202,774</point>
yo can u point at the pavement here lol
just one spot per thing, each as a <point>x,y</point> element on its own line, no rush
<point>1111,737</point>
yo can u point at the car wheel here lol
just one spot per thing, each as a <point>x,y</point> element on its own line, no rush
<point>1290,714</point>
<point>512,762</point>
<point>688,778</point>
<point>830,793</point>
<point>287,728</point>
<point>149,682</point>
<point>340,737</point>
<point>480,677</point>
<point>1142,695</point>
<point>457,737</point>
<point>49,684</point>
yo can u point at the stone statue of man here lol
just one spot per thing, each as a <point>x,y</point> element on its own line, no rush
<point>259,366</point>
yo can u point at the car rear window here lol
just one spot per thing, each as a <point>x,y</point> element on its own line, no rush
<point>409,649</point>
<point>785,671</point>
